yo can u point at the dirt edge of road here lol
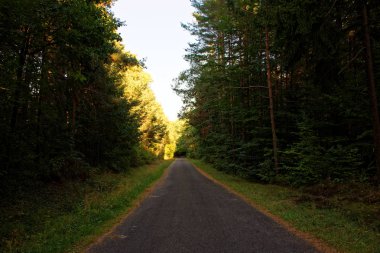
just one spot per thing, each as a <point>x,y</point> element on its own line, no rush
<point>315,242</point>
<point>130,210</point>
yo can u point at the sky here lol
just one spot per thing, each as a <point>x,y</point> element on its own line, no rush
<point>153,31</point>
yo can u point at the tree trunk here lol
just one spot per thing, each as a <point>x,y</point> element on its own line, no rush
<point>43,84</point>
<point>271,109</point>
<point>73,114</point>
<point>372,91</point>
<point>19,81</point>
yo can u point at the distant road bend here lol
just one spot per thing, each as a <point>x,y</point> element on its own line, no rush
<point>189,213</point>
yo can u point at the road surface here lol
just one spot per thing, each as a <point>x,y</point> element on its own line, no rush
<point>189,213</point>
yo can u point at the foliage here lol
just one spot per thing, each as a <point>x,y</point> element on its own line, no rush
<point>317,68</point>
<point>153,124</point>
<point>176,129</point>
<point>65,94</point>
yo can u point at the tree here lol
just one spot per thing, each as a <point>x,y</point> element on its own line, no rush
<point>372,89</point>
<point>304,59</point>
<point>63,109</point>
<point>153,123</point>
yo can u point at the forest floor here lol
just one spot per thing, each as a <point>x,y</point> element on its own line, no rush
<point>66,217</point>
<point>345,217</point>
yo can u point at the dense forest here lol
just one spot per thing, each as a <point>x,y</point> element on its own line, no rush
<point>280,106</point>
<point>72,100</point>
<point>284,91</point>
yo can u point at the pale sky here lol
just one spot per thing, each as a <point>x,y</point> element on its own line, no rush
<point>153,31</point>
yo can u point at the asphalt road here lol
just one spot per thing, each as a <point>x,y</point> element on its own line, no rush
<point>189,213</point>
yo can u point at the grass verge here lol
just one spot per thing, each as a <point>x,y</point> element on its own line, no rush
<point>346,225</point>
<point>66,217</point>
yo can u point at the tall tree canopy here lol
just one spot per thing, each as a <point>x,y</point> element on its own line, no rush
<point>65,93</point>
<point>285,90</point>
<point>153,124</point>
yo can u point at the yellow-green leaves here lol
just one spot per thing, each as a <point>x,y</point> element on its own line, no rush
<point>152,120</point>
<point>254,8</point>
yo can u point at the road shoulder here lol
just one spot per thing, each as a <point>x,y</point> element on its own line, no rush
<point>134,206</point>
<point>317,243</point>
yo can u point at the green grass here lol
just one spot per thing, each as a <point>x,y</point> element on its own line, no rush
<point>346,225</point>
<point>67,217</point>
